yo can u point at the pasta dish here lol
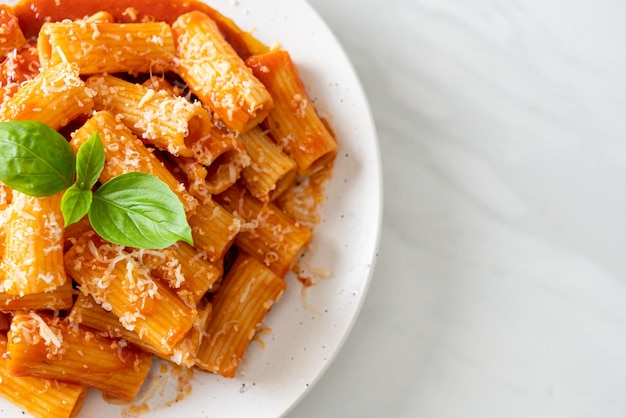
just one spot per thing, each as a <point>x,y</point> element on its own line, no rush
<point>170,94</point>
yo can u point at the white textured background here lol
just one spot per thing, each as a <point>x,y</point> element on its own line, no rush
<point>500,290</point>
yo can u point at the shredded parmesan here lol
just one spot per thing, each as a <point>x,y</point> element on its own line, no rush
<point>48,335</point>
<point>149,94</point>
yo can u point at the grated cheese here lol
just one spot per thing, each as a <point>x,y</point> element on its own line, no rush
<point>49,335</point>
<point>149,95</point>
<point>61,54</point>
<point>131,13</point>
<point>96,31</point>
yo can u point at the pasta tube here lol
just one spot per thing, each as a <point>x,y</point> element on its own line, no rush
<point>88,313</point>
<point>54,398</point>
<point>215,73</point>
<point>170,123</point>
<point>271,171</point>
<point>74,231</point>
<point>266,233</point>
<point>33,260</point>
<point>43,346</point>
<point>19,66</point>
<point>185,270</point>
<point>11,36</point>
<point>59,298</point>
<point>247,294</point>
<point>213,229</point>
<point>217,165</point>
<point>104,47</point>
<point>293,123</point>
<point>121,284</point>
<point>55,97</point>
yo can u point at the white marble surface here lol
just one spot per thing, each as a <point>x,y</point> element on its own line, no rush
<point>500,290</point>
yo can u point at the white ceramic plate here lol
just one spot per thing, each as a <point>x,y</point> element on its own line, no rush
<point>306,332</point>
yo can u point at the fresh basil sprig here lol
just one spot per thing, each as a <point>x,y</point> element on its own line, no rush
<point>133,209</point>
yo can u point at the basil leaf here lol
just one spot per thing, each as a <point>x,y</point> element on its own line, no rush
<point>75,204</point>
<point>89,162</point>
<point>34,158</point>
<point>139,210</point>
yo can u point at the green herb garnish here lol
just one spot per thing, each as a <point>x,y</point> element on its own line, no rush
<point>75,204</point>
<point>35,159</point>
<point>139,210</point>
<point>89,162</point>
<point>133,209</point>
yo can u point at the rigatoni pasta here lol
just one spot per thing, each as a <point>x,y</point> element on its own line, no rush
<point>293,123</point>
<point>56,96</point>
<point>87,312</point>
<point>217,164</point>
<point>55,398</point>
<point>271,171</point>
<point>223,121</point>
<point>217,75</point>
<point>249,291</point>
<point>19,66</point>
<point>185,269</point>
<point>43,346</point>
<point>11,36</point>
<point>57,299</point>
<point>266,233</point>
<point>104,47</point>
<point>214,229</point>
<point>168,122</point>
<point>33,255</point>
<point>118,281</point>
